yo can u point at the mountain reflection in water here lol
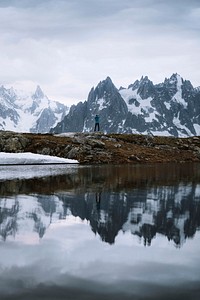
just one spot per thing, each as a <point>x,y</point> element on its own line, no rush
<point>140,199</point>
<point>61,232</point>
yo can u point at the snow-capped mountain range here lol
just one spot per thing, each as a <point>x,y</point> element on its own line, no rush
<point>33,112</point>
<point>169,108</point>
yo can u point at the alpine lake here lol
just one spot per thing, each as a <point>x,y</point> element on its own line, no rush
<point>100,232</point>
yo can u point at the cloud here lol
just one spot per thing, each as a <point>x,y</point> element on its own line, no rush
<point>70,260</point>
<point>68,46</point>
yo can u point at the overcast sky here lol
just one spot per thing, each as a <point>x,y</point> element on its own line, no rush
<point>68,46</point>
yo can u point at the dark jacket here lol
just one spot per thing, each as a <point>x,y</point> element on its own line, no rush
<point>96,119</point>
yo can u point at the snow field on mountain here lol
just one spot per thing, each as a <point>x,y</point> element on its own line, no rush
<point>168,108</point>
<point>128,94</point>
<point>29,112</point>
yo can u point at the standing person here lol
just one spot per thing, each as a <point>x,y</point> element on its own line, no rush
<point>96,127</point>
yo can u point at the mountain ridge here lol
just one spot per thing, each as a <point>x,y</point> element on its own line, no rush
<point>29,112</point>
<point>170,108</point>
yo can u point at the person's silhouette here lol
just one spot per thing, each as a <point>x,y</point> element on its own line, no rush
<point>96,127</point>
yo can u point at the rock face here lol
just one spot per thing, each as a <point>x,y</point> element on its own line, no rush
<point>98,148</point>
<point>170,108</point>
<point>29,113</point>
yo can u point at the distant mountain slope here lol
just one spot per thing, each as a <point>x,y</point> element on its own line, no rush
<point>22,112</point>
<point>168,108</point>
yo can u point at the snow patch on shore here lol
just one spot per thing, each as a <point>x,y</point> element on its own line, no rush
<point>29,158</point>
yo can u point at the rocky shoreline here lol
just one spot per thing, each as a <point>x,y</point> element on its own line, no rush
<point>100,148</point>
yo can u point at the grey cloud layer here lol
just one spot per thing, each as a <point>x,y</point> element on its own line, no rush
<point>70,42</point>
<point>68,19</point>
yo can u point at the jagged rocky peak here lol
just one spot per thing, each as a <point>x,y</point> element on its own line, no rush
<point>135,85</point>
<point>3,91</point>
<point>2,88</point>
<point>173,84</point>
<point>106,81</point>
<point>102,90</point>
<point>106,85</point>
<point>189,87</point>
<point>38,93</point>
<point>140,83</point>
<point>177,82</point>
<point>7,94</point>
<point>145,87</point>
<point>173,80</point>
<point>11,92</point>
<point>197,89</point>
<point>145,81</point>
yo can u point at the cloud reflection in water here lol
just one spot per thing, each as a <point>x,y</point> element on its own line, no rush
<point>69,259</point>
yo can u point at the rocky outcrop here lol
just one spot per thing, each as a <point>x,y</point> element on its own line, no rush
<point>99,148</point>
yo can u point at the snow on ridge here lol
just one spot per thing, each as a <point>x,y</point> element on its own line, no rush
<point>178,96</point>
<point>179,126</point>
<point>197,89</point>
<point>101,103</point>
<point>197,128</point>
<point>27,121</point>
<point>144,105</point>
<point>128,94</point>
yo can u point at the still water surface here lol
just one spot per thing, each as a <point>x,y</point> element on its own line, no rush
<point>100,232</point>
